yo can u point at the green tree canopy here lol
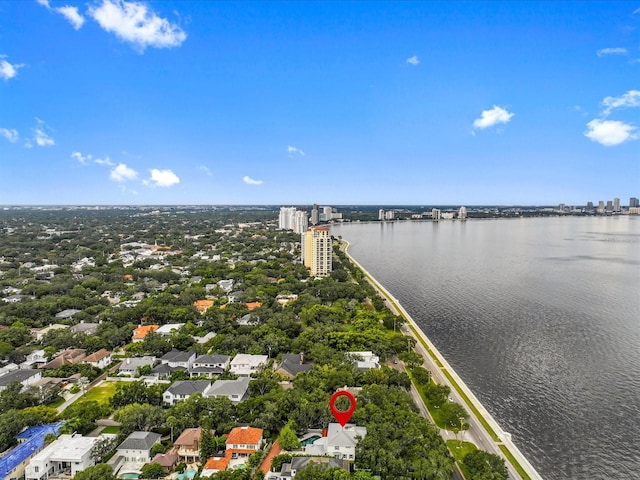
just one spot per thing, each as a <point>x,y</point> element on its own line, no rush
<point>101,471</point>
<point>288,439</point>
<point>152,470</point>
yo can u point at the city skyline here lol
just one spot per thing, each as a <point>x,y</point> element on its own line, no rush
<point>273,103</point>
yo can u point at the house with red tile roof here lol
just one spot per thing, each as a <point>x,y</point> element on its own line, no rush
<point>203,305</point>
<point>243,441</point>
<point>142,331</point>
<point>253,305</point>
<point>214,465</point>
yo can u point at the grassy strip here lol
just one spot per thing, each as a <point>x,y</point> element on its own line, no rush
<point>472,406</point>
<point>111,429</point>
<point>459,450</point>
<point>426,347</point>
<point>434,412</point>
<point>514,462</point>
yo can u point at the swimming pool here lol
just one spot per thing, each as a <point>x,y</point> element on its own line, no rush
<point>133,476</point>
<point>187,475</point>
<point>310,440</point>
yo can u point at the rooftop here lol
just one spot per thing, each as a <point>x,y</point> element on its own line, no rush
<point>144,330</point>
<point>244,436</point>
<point>140,441</point>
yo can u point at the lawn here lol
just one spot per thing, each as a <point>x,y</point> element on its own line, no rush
<point>459,450</point>
<point>101,393</point>
<point>111,429</point>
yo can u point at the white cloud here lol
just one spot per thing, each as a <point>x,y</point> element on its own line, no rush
<point>162,178</point>
<point>610,132</point>
<point>295,150</point>
<point>492,117</point>
<point>104,161</point>
<point>81,158</point>
<point>10,134</point>
<point>123,173</point>
<point>251,181</point>
<point>206,170</point>
<point>413,60</point>
<point>44,3</point>
<point>86,159</point>
<point>71,14</point>
<point>136,23</point>
<point>8,70</point>
<point>628,100</point>
<point>611,51</point>
<point>40,136</point>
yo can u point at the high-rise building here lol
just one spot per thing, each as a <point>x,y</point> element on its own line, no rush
<point>315,215</point>
<point>589,205</point>
<point>316,251</point>
<point>462,213</point>
<point>327,212</point>
<point>300,222</point>
<point>285,219</point>
<point>390,215</point>
<point>609,207</point>
<point>616,205</point>
<point>633,202</point>
<point>292,219</point>
<point>381,214</point>
<point>600,206</point>
<point>436,214</point>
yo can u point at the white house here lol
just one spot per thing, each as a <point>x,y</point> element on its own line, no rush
<point>25,376</point>
<point>169,328</point>
<point>340,442</point>
<point>69,454</point>
<point>100,359</point>
<point>226,285</point>
<point>136,448</point>
<point>178,359</point>
<point>129,366</point>
<point>183,389</point>
<point>234,390</point>
<point>244,364</point>
<point>210,365</point>
<point>35,359</point>
<point>364,360</point>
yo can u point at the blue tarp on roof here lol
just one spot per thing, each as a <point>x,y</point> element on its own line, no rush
<point>31,441</point>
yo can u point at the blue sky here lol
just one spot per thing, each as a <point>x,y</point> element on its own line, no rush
<point>197,102</point>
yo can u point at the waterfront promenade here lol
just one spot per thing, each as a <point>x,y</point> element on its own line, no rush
<point>483,430</point>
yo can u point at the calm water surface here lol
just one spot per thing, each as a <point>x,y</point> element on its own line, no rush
<point>541,319</point>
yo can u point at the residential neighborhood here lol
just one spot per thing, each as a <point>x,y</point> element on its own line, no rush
<point>202,350</point>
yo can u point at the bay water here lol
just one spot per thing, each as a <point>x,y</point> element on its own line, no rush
<point>541,319</point>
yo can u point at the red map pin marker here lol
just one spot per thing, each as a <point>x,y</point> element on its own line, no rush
<point>342,417</point>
